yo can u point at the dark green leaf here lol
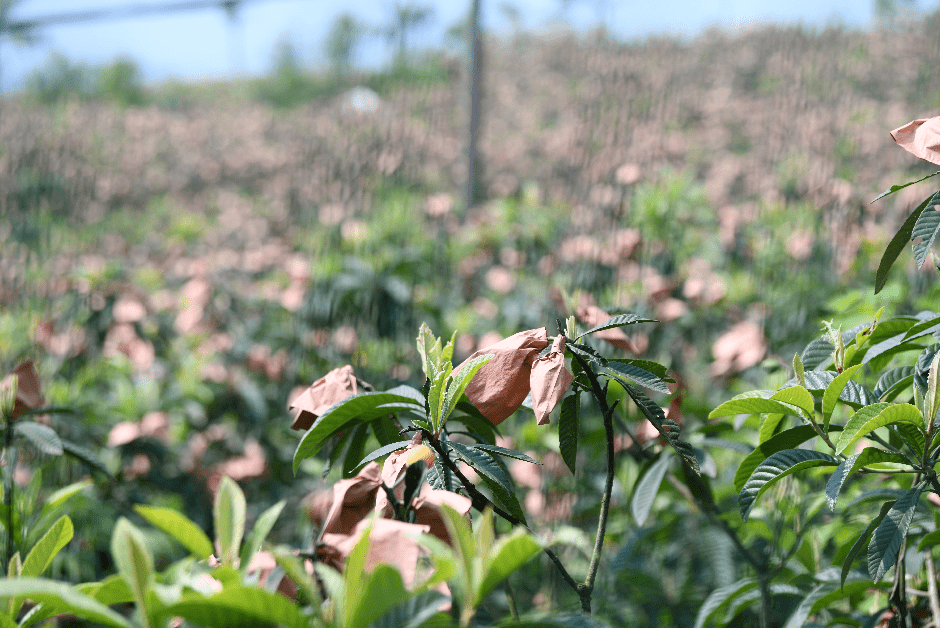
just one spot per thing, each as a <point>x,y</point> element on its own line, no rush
<point>862,541</point>
<point>638,375</point>
<point>817,353</point>
<point>568,429</point>
<point>926,228</point>
<point>470,416</point>
<point>355,449</point>
<point>502,451</point>
<point>42,436</point>
<point>823,596</point>
<point>87,456</point>
<point>360,408</point>
<point>895,188</point>
<point>492,475</point>
<point>776,467</point>
<point>385,431</point>
<point>887,537</point>
<point>870,455</point>
<point>787,439</point>
<point>383,451</point>
<point>893,382</point>
<point>719,599</point>
<point>586,352</point>
<point>897,244</point>
<point>910,434</point>
<point>646,488</point>
<point>669,430</point>
<point>657,369</point>
<point>619,321</point>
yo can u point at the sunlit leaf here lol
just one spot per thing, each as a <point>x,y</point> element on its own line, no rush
<point>787,439</point>
<point>834,391</point>
<point>776,467</point>
<point>239,606</point>
<point>178,526</point>
<point>895,188</point>
<point>64,597</point>
<point>133,559</point>
<point>229,511</point>
<point>874,416</point>
<point>796,396</point>
<point>639,376</point>
<point>508,554</point>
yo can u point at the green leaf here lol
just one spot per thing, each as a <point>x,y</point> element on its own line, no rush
<point>888,536</point>
<point>816,353</point>
<point>922,328</point>
<point>638,375</point>
<point>870,455</point>
<point>239,606</point>
<point>47,547</point>
<point>754,405</point>
<point>926,228</point>
<point>646,488</point>
<point>59,497</point>
<point>669,430</point>
<point>42,436</point>
<point>86,456</point>
<point>619,321</point>
<point>416,612</point>
<point>776,467</point>
<point>893,382</point>
<point>768,426</point>
<point>460,380</point>
<point>229,512</point>
<point>874,416</point>
<point>897,244</point>
<point>502,451</point>
<point>133,560</point>
<point>436,397</point>
<point>862,541</point>
<point>911,435</point>
<point>382,591</point>
<point>834,391</point>
<point>854,394</point>
<point>492,475</point>
<point>355,448</point>
<point>823,596</point>
<point>798,371</point>
<point>931,539</point>
<point>259,533</point>
<point>932,398</point>
<point>568,429</point>
<point>178,526</point>
<point>470,416</point>
<point>360,408</point>
<point>507,555</point>
<point>895,188</point>
<point>787,439</point>
<point>797,396</point>
<point>719,599</point>
<point>62,596</point>
<point>657,369</point>
<point>382,451</point>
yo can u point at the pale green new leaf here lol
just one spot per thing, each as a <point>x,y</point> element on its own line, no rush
<point>646,488</point>
<point>834,391</point>
<point>508,554</point>
<point>754,405</point>
<point>229,511</point>
<point>874,416</point>
<point>354,576</point>
<point>259,533</point>
<point>932,398</point>
<point>383,590</point>
<point>134,561</point>
<point>239,606</point>
<point>901,186</point>
<point>888,536</point>
<point>459,381</point>
<point>180,527</point>
<point>797,396</point>
<point>62,495</point>
<point>436,396</point>
<point>768,426</point>
<point>47,547</point>
<point>64,597</point>
<point>776,467</point>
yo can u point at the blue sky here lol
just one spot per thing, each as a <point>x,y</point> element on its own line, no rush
<point>205,44</point>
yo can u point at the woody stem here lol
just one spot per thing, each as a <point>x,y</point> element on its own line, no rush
<point>600,396</point>
<point>480,502</point>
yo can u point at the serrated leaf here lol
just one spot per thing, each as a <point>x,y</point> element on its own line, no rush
<point>42,553</point>
<point>239,606</point>
<point>897,244</point>
<point>619,321</point>
<point>787,439</point>
<point>470,416</point>
<point>180,527</point>
<point>646,488</point>
<point>502,451</point>
<point>834,391</point>
<point>493,475</point>
<point>382,451</point>
<point>888,536</point>
<point>776,467</point>
<point>862,541</point>
<point>895,188</point>
<point>42,436</point>
<point>854,394</point>
<point>874,416</point>
<point>817,353</point>
<point>926,228</point>
<point>870,455</point>
<point>360,408</point>
<point>911,435</point>
<point>229,515</point>
<point>568,429</point>
<point>893,381</point>
<point>797,396</point>
<point>63,597</point>
<point>657,369</point>
<point>639,376</point>
<point>263,525</point>
<point>669,430</point>
<point>719,599</point>
<point>923,328</point>
<point>754,405</point>
<point>586,352</point>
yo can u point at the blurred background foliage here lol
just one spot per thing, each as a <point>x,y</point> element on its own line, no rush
<point>180,259</point>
